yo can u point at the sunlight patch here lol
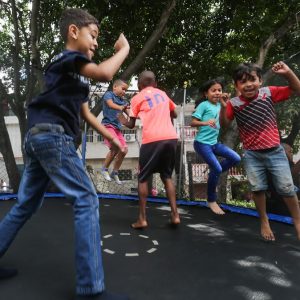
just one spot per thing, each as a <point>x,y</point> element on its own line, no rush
<point>181,211</point>
<point>269,271</point>
<point>211,231</point>
<point>251,295</point>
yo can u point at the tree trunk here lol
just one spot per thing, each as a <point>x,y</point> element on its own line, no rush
<point>36,66</point>
<point>5,145</point>
<point>275,36</point>
<point>151,42</point>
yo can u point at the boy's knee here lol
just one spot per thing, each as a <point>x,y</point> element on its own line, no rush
<point>286,190</point>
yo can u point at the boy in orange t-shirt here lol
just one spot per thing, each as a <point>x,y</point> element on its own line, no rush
<point>159,141</point>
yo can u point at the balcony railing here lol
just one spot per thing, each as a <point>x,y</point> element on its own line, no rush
<point>187,133</point>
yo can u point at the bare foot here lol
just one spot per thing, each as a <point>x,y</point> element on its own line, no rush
<point>266,232</point>
<point>139,224</point>
<point>214,206</point>
<point>175,219</point>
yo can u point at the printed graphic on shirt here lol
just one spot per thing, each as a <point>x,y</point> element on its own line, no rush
<point>153,107</point>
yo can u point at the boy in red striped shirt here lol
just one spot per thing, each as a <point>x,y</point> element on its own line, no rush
<point>254,112</point>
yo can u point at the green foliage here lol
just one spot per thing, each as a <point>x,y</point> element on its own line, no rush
<point>203,39</point>
<point>241,203</point>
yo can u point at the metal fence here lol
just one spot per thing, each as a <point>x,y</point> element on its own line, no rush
<point>190,174</point>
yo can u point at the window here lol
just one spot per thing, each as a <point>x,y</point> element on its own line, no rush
<point>100,138</point>
<point>89,136</point>
<point>128,131</point>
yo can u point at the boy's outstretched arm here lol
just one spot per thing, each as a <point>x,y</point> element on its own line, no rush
<point>108,68</point>
<point>129,123</point>
<point>111,104</point>
<point>93,122</point>
<point>283,69</point>
<point>224,120</point>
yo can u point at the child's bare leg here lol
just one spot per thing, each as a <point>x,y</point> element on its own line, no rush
<point>259,199</point>
<point>171,195</point>
<point>293,206</point>
<point>214,206</point>
<point>109,158</point>
<point>119,159</point>
<point>143,193</point>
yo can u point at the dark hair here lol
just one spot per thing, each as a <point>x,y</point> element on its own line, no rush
<point>245,70</point>
<point>119,81</point>
<point>76,16</point>
<point>206,86</point>
<point>146,78</point>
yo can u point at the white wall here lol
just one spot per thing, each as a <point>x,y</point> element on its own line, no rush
<point>14,135</point>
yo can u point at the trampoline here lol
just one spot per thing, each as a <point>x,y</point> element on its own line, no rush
<point>206,257</point>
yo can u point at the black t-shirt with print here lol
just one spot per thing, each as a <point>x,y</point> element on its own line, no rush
<point>65,91</point>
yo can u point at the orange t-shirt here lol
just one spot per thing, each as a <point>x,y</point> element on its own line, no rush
<point>153,107</point>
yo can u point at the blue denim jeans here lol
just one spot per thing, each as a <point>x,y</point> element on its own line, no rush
<point>52,155</point>
<point>257,163</point>
<point>209,154</point>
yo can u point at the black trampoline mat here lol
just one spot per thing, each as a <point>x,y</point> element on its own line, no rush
<point>207,257</point>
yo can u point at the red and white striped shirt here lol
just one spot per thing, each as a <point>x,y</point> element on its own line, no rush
<point>256,119</point>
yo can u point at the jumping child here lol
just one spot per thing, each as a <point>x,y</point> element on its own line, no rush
<point>159,141</point>
<point>113,104</point>
<point>257,125</point>
<point>206,118</point>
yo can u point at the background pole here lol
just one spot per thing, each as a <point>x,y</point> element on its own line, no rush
<point>182,139</point>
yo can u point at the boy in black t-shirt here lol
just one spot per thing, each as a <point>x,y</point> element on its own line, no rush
<point>53,119</point>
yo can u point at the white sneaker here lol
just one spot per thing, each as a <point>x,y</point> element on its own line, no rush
<point>105,174</point>
<point>115,177</point>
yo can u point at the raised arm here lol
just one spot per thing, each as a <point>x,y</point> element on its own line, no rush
<point>282,69</point>
<point>108,68</point>
<point>224,120</point>
<point>130,123</point>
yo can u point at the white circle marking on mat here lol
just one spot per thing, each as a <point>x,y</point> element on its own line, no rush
<point>131,254</point>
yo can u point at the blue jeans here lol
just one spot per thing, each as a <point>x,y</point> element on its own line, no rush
<point>52,155</point>
<point>209,153</point>
<point>275,161</point>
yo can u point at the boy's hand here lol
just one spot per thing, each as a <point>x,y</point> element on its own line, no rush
<point>280,68</point>
<point>211,123</point>
<point>125,107</point>
<point>224,98</point>
<point>116,146</point>
<point>121,43</point>
<point>123,120</point>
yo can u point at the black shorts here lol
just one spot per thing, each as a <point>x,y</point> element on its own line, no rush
<point>157,157</point>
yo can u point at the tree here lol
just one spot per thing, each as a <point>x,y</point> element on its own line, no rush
<point>21,64</point>
<point>138,61</point>
<point>179,40</point>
